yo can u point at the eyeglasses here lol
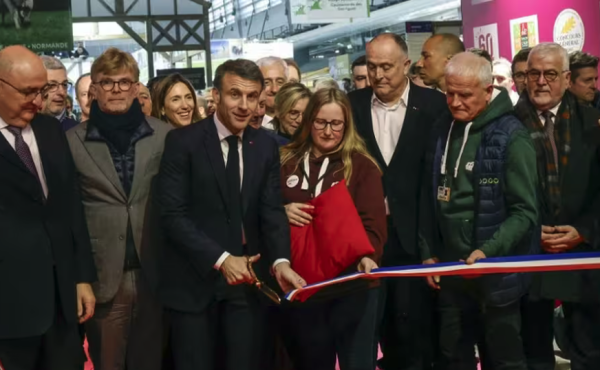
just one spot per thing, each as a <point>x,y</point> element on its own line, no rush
<point>54,87</point>
<point>109,85</point>
<point>28,94</point>
<point>294,114</point>
<point>262,287</point>
<point>549,76</point>
<point>519,76</point>
<point>336,125</point>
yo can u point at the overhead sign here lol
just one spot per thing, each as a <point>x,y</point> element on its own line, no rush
<point>419,27</point>
<point>194,75</point>
<point>569,30</point>
<point>328,11</point>
<point>41,25</point>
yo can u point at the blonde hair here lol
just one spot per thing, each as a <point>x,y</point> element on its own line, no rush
<point>351,143</point>
<point>286,99</point>
<point>113,61</point>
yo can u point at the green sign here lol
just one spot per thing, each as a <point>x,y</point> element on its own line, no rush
<point>40,25</point>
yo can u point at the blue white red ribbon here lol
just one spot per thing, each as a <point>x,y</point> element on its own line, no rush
<point>537,263</point>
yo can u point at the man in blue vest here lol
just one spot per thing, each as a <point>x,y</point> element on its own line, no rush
<point>482,203</point>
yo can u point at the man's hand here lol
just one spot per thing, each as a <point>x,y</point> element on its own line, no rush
<point>86,302</point>
<point>565,238</point>
<point>475,256</point>
<point>287,278</point>
<point>235,269</point>
<point>366,265</point>
<point>432,281</point>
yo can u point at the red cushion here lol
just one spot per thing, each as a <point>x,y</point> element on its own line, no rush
<point>334,241</point>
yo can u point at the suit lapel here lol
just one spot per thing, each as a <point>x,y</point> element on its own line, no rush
<point>99,153</point>
<point>46,155</point>
<point>10,155</point>
<point>143,153</point>
<point>212,144</point>
<point>249,156</point>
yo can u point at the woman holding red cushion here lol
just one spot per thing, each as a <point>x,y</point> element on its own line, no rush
<point>326,151</point>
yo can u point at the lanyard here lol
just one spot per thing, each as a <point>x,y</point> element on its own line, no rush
<point>306,173</point>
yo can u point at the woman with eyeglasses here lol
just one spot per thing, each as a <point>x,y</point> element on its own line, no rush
<point>290,104</point>
<point>175,101</point>
<point>326,150</point>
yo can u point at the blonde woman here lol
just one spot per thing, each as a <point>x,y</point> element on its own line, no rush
<point>326,150</point>
<point>290,103</point>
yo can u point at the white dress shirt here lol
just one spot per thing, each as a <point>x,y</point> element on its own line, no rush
<point>387,125</point>
<point>268,122</point>
<point>29,138</point>
<point>224,133</point>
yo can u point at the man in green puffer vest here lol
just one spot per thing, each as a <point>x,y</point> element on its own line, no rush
<point>485,183</point>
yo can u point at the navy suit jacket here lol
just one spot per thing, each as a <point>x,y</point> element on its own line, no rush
<point>194,208</point>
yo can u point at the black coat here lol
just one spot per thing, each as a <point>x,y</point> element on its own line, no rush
<point>44,246</point>
<point>192,201</point>
<point>402,177</point>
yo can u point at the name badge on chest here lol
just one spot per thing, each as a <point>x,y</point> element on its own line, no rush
<point>443,193</point>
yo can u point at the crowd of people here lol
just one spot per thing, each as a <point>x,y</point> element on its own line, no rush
<point>147,227</point>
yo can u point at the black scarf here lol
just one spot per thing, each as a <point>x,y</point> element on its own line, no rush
<point>117,129</point>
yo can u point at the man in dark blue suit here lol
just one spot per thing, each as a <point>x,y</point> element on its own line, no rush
<point>217,206</point>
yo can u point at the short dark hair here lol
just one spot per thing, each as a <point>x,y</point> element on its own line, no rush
<point>451,43</point>
<point>414,69</point>
<point>359,62</point>
<point>243,68</point>
<point>521,57</point>
<point>292,63</point>
<point>579,60</point>
<point>482,53</point>
<point>397,39</point>
<point>79,80</point>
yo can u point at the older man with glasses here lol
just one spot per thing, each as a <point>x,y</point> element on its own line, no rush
<point>55,98</point>
<point>565,136</point>
<point>117,153</point>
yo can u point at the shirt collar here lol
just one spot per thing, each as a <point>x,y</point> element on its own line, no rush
<point>223,131</point>
<point>403,99</point>
<point>554,110</point>
<point>4,125</point>
<point>62,115</point>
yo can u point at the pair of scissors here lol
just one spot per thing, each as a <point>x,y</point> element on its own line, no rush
<point>261,286</point>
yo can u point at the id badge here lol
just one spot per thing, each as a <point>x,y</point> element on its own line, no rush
<point>443,193</point>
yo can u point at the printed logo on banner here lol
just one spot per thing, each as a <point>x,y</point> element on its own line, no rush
<point>569,30</point>
<point>486,37</point>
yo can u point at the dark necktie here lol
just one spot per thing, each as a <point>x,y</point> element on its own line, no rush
<point>23,151</point>
<point>233,186</point>
<point>549,128</point>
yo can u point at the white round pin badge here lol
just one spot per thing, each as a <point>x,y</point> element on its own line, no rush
<point>292,181</point>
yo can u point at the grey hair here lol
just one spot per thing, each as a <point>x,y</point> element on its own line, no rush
<point>503,63</point>
<point>546,48</point>
<point>326,83</point>
<point>467,64</point>
<point>269,61</point>
<point>51,63</point>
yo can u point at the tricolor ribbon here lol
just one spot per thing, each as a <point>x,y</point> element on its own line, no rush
<point>500,265</point>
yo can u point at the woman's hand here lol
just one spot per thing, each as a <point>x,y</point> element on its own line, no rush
<point>296,215</point>
<point>366,265</point>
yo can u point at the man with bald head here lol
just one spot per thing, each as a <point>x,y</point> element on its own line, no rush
<point>436,53</point>
<point>46,264</point>
<point>394,116</point>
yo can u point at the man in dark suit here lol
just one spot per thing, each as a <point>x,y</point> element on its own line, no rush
<point>46,264</point>
<point>219,205</point>
<point>394,117</point>
<point>565,134</point>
